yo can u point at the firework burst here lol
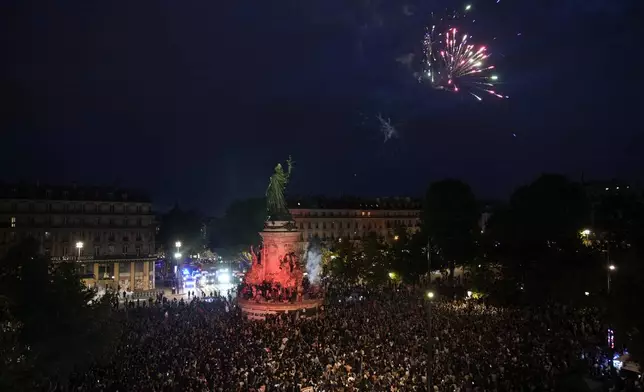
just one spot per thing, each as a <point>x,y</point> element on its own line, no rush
<point>454,64</point>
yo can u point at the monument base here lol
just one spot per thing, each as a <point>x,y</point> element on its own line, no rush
<point>254,310</point>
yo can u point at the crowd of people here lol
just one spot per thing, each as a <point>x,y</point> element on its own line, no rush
<point>377,341</point>
<point>268,292</point>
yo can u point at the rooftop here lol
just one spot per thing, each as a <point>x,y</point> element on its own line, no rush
<point>355,203</point>
<point>72,192</point>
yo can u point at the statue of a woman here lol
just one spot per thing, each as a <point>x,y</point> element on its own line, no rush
<point>275,200</point>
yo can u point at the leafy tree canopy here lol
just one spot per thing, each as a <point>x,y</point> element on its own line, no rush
<point>55,323</point>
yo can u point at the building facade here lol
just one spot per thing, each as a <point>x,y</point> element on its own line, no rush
<point>354,219</point>
<point>109,233</point>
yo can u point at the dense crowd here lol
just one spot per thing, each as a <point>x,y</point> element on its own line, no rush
<point>366,342</point>
<point>268,292</point>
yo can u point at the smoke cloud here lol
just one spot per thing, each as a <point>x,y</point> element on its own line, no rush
<point>314,261</point>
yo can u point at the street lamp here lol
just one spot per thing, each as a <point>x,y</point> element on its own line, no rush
<point>79,246</point>
<point>611,267</point>
<point>585,232</point>
<point>430,348</point>
<point>177,256</point>
<point>396,238</point>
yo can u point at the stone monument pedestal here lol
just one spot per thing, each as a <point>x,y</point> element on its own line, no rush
<point>278,264</point>
<point>254,310</point>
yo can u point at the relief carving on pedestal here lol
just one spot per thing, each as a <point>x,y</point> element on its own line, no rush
<point>125,284</point>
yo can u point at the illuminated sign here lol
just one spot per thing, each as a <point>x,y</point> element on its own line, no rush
<point>77,259</point>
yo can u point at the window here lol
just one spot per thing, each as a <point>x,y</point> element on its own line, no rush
<point>104,272</point>
<point>97,251</point>
<point>110,249</point>
<point>138,250</point>
<point>124,268</point>
<point>47,235</point>
<point>13,221</point>
<point>64,251</point>
<point>125,249</point>
<point>112,208</point>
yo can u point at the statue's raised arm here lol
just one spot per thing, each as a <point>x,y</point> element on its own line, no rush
<point>290,164</point>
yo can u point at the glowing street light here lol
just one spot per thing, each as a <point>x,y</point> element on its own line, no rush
<point>430,294</point>
<point>177,255</point>
<point>611,267</point>
<point>396,238</point>
<point>586,293</point>
<point>177,244</point>
<point>392,275</point>
<point>585,232</point>
<point>79,246</point>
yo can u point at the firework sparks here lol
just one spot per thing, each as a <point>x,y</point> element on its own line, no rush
<point>388,130</point>
<point>454,64</point>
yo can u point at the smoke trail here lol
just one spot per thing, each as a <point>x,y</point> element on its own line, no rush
<point>314,261</point>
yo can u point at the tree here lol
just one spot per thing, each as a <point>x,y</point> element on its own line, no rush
<point>618,233</point>
<point>375,261</point>
<point>408,253</point>
<point>183,226</point>
<point>450,221</point>
<point>239,228</point>
<point>348,264</point>
<point>536,239</point>
<point>53,314</point>
<point>16,368</point>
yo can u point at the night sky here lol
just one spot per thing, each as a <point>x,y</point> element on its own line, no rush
<point>196,101</point>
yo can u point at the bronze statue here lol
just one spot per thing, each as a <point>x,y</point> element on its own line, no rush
<point>275,200</point>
